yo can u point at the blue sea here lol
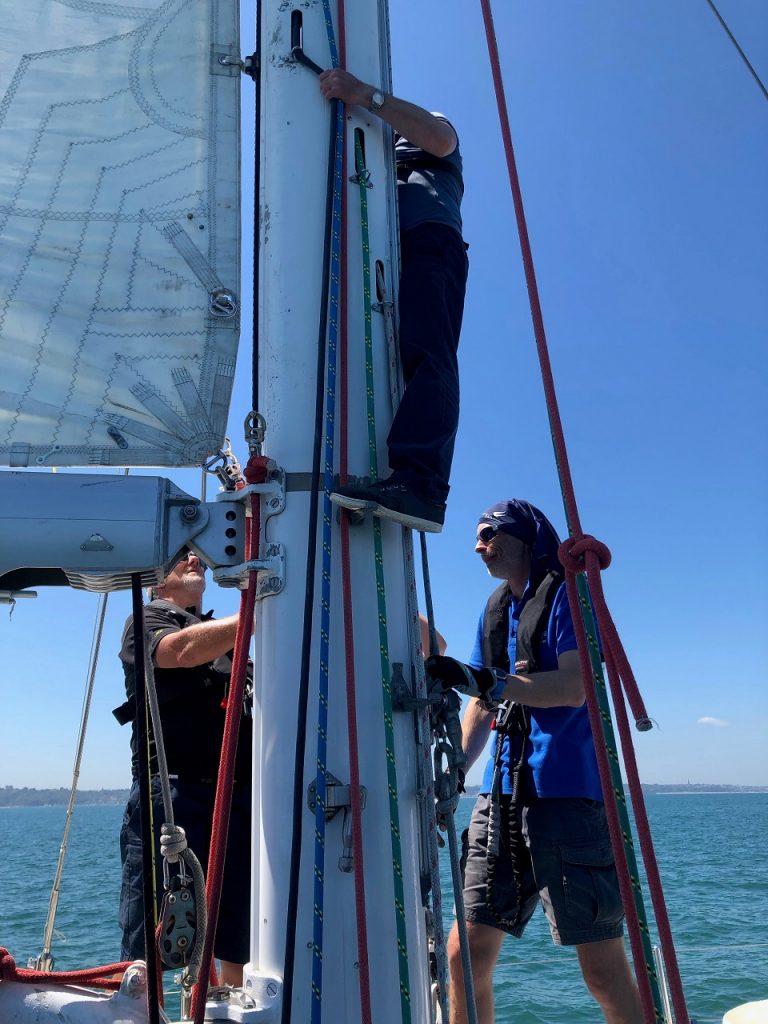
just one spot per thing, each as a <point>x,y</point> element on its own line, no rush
<point>711,850</point>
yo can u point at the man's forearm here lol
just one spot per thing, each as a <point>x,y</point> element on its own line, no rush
<point>562,687</point>
<point>475,729</point>
<point>197,645</point>
<point>418,125</point>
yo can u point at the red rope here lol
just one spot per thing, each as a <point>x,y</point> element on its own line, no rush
<point>92,977</point>
<point>255,472</point>
<point>582,553</point>
<point>349,641</point>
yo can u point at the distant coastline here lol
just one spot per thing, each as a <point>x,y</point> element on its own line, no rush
<point>10,796</point>
<point>674,789</point>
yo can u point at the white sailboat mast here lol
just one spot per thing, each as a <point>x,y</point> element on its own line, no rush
<point>295,125</point>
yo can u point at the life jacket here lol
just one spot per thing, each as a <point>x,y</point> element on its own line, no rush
<point>532,624</point>
<point>512,720</point>
<point>177,685</point>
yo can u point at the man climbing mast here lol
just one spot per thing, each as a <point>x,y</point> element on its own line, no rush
<point>431,303</point>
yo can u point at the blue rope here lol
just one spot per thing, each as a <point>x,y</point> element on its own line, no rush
<point>325,593</point>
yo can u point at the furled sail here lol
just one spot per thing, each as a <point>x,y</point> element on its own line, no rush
<point>119,229</point>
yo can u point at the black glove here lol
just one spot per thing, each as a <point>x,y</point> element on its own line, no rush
<point>455,675</point>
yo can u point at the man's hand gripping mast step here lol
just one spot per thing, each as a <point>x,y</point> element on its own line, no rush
<point>486,684</point>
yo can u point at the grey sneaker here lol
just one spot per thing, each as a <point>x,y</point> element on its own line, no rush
<point>392,500</point>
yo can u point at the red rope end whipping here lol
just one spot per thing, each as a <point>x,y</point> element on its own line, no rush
<point>255,471</point>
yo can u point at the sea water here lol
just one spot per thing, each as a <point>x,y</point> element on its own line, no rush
<point>711,850</point>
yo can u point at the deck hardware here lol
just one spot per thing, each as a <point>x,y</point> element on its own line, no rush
<point>402,697</point>
<point>42,459</point>
<point>225,466</point>
<point>338,798</point>
<point>297,44</point>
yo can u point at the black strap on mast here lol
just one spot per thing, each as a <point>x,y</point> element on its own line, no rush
<point>145,812</point>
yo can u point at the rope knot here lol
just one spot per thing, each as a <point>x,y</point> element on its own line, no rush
<point>255,471</point>
<point>572,553</point>
<point>173,842</point>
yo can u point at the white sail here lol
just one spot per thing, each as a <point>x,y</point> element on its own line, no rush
<point>120,228</point>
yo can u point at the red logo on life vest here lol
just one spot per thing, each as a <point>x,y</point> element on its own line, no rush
<point>522,666</point>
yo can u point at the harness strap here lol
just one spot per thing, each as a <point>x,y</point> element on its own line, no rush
<point>534,621</point>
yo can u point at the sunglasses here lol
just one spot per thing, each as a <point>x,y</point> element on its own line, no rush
<point>487,533</point>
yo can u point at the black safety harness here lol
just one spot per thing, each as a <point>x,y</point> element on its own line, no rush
<point>512,723</point>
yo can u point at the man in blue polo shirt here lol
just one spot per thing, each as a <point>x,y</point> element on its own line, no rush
<point>538,830</point>
<point>433,279</point>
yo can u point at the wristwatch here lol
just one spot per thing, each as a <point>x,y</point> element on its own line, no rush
<point>501,678</point>
<point>377,101</point>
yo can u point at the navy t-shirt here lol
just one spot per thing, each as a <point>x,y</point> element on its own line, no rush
<point>428,194</point>
<point>561,754</point>
<point>191,702</point>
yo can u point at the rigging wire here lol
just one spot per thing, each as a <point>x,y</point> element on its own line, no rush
<point>738,48</point>
<point>255,74</point>
<point>45,961</point>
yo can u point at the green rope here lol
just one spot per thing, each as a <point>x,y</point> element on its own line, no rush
<point>609,738</point>
<point>389,735</point>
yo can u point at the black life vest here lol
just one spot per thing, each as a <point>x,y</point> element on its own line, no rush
<point>532,624</point>
<point>512,720</point>
<point>176,685</point>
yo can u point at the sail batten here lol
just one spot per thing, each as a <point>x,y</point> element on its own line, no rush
<point>120,231</point>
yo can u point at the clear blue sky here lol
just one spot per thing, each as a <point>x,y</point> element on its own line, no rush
<point>642,145</point>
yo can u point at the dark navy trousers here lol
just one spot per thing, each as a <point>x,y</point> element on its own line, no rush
<point>431,300</point>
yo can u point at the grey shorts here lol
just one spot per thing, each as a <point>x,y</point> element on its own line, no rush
<point>563,858</point>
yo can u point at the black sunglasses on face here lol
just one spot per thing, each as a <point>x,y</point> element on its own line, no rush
<point>487,533</point>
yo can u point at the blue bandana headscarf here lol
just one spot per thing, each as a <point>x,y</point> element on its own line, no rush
<point>522,520</point>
